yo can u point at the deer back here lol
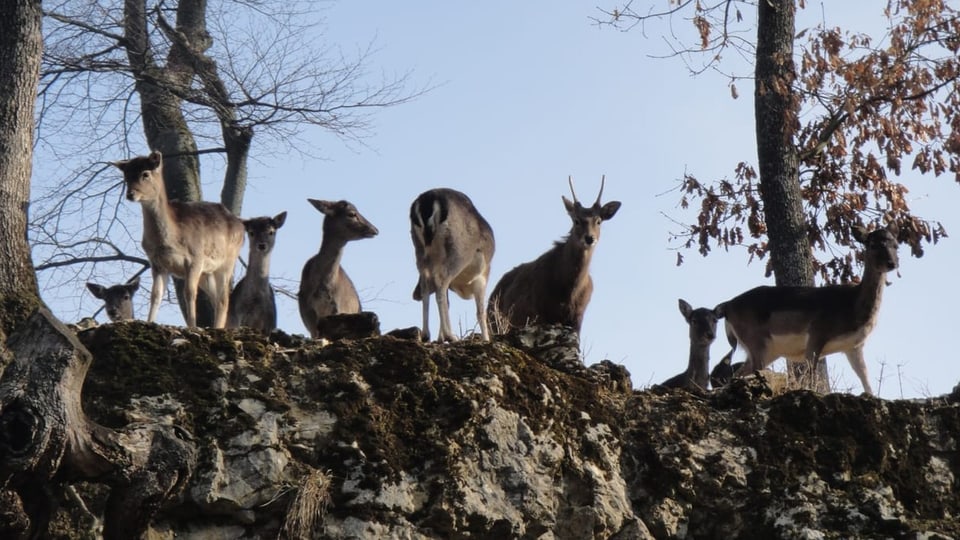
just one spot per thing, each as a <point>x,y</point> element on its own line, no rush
<point>452,241</point>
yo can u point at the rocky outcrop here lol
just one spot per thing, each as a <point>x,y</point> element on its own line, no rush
<point>390,438</point>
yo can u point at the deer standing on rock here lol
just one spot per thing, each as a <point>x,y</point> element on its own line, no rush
<point>703,331</point>
<point>325,288</point>
<point>806,323</point>
<point>454,245</point>
<point>117,299</point>
<point>556,287</point>
<point>198,241</point>
<point>252,302</point>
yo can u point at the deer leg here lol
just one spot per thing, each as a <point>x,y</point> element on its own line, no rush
<point>220,295</point>
<point>855,357</point>
<point>190,285</point>
<point>479,293</point>
<point>425,302</point>
<point>156,293</point>
<point>443,303</point>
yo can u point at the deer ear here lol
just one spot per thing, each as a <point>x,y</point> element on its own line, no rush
<point>325,207</point>
<point>859,233</point>
<point>609,210</point>
<point>134,285</point>
<point>156,158</point>
<point>570,206</point>
<point>685,308</point>
<point>279,220</point>
<point>120,164</point>
<point>97,290</point>
<point>893,229</point>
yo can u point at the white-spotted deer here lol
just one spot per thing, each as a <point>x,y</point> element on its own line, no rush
<point>703,331</point>
<point>252,302</point>
<point>198,242</point>
<point>325,288</point>
<point>806,323</point>
<point>453,245</point>
<point>556,287</point>
<point>117,299</point>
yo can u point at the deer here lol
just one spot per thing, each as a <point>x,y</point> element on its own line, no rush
<point>117,299</point>
<point>703,331</point>
<point>196,241</point>
<point>556,287</point>
<point>807,323</point>
<point>252,302</point>
<point>723,372</point>
<point>325,288</point>
<point>453,245</point>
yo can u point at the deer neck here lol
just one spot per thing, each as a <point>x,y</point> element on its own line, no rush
<point>698,364</point>
<point>574,262</point>
<point>259,266</point>
<point>158,220</point>
<point>870,293</point>
<point>331,251</point>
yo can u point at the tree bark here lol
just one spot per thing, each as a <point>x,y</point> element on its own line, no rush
<point>776,107</point>
<point>21,49</point>
<point>46,441</point>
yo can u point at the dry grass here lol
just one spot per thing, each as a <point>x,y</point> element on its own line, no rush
<point>308,507</point>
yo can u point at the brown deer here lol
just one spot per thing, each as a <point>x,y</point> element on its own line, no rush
<point>252,303</point>
<point>453,245</point>
<point>198,242</point>
<point>806,323</point>
<point>117,299</point>
<point>325,288</point>
<point>556,287</point>
<point>703,331</point>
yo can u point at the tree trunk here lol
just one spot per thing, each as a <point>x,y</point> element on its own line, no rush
<point>164,125</point>
<point>21,49</point>
<point>776,107</point>
<point>46,441</point>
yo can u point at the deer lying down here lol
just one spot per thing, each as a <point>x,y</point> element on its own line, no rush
<point>811,322</point>
<point>198,242</point>
<point>453,245</point>
<point>723,372</point>
<point>703,330</point>
<point>556,287</point>
<point>252,302</point>
<point>325,288</point>
<point>117,299</point>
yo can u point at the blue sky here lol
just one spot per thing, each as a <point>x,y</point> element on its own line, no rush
<point>526,94</point>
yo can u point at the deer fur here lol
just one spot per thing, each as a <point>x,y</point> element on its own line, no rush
<point>198,242</point>
<point>556,287</point>
<point>810,322</point>
<point>453,245</point>
<point>325,288</point>
<point>117,299</point>
<point>252,302</point>
<point>703,331</point>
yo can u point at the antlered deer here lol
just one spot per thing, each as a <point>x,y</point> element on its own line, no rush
<point>556,287</point>
<point>252,302</point>
<point>453,245</point>
<point>325,288</point>
<point>810,322</point>
<point>196,241</point>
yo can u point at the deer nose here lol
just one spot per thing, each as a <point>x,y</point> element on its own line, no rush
<point>589,239</point>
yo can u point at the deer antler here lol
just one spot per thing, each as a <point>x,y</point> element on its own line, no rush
<point>602,179</point>
<point>570,181</point>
